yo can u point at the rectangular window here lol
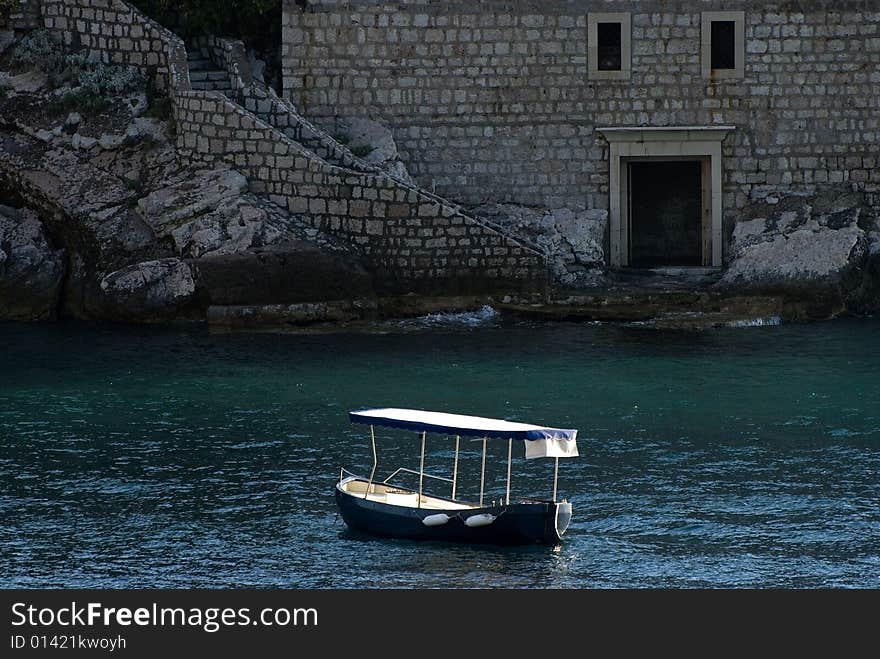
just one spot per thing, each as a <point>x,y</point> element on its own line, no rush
<point>609,45</point>
<point>723,45</point>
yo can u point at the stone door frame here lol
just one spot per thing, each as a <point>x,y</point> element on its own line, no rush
<point>659,144</point>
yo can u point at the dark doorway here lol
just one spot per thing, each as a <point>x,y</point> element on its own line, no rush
<point>665,202</point>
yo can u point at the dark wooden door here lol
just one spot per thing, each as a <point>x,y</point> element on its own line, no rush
<point>665,207</point>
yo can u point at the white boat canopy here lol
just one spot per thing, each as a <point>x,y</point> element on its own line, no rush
<point>540,442</point>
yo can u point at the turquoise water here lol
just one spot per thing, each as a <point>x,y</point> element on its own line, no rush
<point>147,457</point>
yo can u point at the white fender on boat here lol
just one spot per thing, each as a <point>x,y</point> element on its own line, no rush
<point>436,520</point>
<point>483,519</point>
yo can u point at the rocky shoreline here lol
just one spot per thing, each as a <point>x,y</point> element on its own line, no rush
<point>101,219</point>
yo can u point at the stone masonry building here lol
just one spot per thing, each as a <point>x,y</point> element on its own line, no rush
<point>671,115</point>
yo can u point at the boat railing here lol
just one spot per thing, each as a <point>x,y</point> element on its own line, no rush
<point>415,473</point>
<point>343,472</point>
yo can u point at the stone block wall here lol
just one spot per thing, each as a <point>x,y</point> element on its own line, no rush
<point>117,33</point>
<point>228,55</point>
<point>26,16</point>
<point>411,240</point>
<point>260,99</point>
<point>492,99</point>
<point>281,114</point>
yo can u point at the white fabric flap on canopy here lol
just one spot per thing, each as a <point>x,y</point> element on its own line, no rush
<point>551,448</point>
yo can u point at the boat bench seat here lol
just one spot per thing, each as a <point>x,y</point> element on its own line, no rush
<point>401,498</point>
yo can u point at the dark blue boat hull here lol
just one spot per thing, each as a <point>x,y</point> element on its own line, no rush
<point>514,524</point>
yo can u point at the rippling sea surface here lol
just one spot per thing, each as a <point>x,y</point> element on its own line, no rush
<point>147,457</point>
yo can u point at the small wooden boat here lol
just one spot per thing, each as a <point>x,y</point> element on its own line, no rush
<point>385,509</point>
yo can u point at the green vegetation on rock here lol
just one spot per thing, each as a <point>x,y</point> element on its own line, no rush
<point>362,151</point>
<point>91,83</point>
<point>37,49</point>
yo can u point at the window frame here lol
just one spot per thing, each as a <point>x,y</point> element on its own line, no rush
<point>738,20</point>
<point>625,21</point>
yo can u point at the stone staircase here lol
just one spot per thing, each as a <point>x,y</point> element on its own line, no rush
<point>204,74</point>
<point>299,166</point>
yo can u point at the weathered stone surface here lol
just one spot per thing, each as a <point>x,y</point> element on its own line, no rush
<point>291,273</point>
<point>240,223</point>
<point>27,83</point>
<point>258,66</point>
<point>150,291</point>
<point>152,129</point>
<point>368,134</point>
<point>571,240</point>
<point>7,38</point>
<point>661,307</point>
<point>874,240</point>
<point>278,316</point>
<point>871,296</point>
<point>31,270</point>
<point>799,259</point>
<point>77,141</point>
<point>167,208</point>
<point>233,226</point>
<point>811,247</point>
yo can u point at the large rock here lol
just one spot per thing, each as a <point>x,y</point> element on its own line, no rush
<point>572,241</point>
<point>31,270</point>
<point>375,144</point>
<point>167,208</point>
<point>814,248</point>
<point>872,290</point>
<point>235,225</point>
<point>27,82</point>
<point>158,290</point>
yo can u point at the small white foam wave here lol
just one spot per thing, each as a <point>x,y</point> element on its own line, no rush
<point>756,322</point>
<point>481,316</point>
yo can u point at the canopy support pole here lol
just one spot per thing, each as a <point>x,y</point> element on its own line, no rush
<point>555,478</point>
<point>422,469</point>
<point>509,458</point>
<point>455,467</point>
<point>483,473</point>
<point>375,461</point>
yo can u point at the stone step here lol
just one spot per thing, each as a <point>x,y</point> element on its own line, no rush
<point>212,87</point>
<point>197,53</point>
<point>197,75</point>
<point>211,75</point>
<point>200,64</point>
<point>221,82</point>
<point>225,92</point>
